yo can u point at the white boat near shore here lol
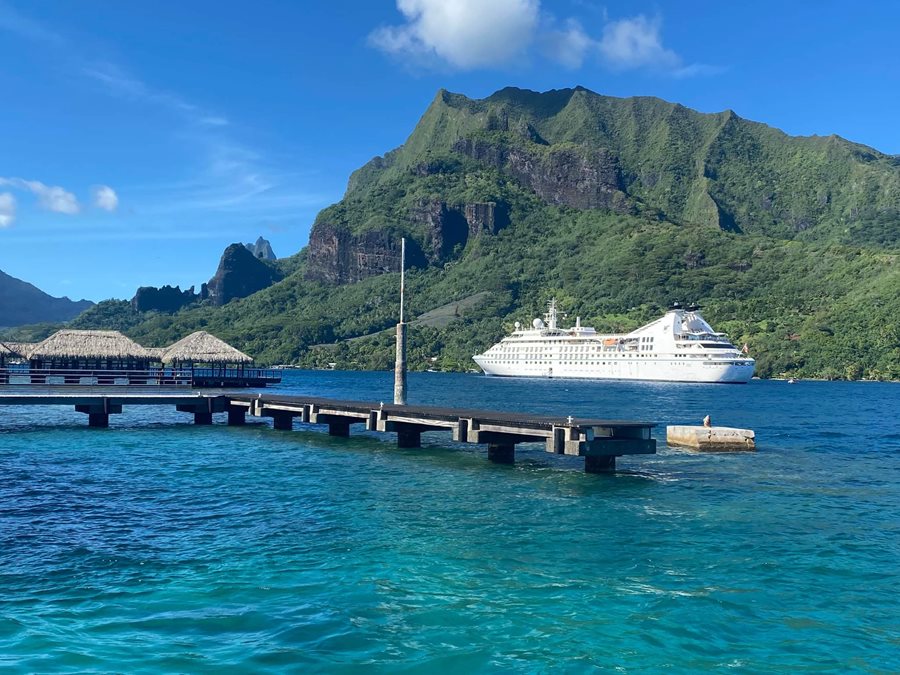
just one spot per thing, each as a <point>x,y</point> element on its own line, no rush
<point>680,346</point>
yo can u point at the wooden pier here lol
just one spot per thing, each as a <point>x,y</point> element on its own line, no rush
<point>599,441</point>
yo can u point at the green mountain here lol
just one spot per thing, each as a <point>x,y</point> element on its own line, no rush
<point>615,207</point>
<point>22,303</point>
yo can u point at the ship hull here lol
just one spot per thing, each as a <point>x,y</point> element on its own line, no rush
<point>711,371</point>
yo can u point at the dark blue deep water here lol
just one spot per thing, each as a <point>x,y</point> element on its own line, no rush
<point>160,546</point>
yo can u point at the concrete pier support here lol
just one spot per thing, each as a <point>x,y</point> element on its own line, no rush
<point>409,439</point>
<point>600,464</point>
<point>341,429</point>
<point>283,421</point>
<point>237,417</point>
<point>98,420</point>
<point>98,414</point>
<point>202,418</point>
<point>502,453</point>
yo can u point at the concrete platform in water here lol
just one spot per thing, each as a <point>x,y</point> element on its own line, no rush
<point>599,441</point>
<point>711,439</point>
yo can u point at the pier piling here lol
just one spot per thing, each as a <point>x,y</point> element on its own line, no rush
<point>237,416</point>
<point>203,418</point>
<point>283,421</point>
<point>98,413</point>
<point>409,438</point>
<point>600,464</point>
<point>341,429</point>
<point>502,453</point>
<point>98,420</point>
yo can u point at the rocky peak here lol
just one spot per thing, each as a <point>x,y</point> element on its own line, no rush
<point>240,274</point>
<point>262,249</point>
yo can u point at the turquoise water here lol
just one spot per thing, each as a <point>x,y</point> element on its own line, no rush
<point>159,546</point>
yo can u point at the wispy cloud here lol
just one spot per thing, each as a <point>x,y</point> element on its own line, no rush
<point>120,83</point>
<point>18,24</point>
<point>471,34</point>
<point>105,198</point>
<point>218,173</point>
<point>50,197</point>
<point>568,45</point>
<point>7,209</point>
<point>636,43</point>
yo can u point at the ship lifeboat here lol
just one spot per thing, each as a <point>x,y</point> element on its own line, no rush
<point>610,342</point>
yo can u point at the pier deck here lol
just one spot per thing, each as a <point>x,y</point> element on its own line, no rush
<point>598,440</point>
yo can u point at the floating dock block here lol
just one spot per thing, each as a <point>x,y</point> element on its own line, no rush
<point>711,439</point>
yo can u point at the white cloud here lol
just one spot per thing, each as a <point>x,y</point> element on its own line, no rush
<point>7,209</point>
<point>467,34</point>
<point>569,46</point>
<point>105,198</point>
<point>636,43</point>
<point>470,34</point>
<point>51,197</point>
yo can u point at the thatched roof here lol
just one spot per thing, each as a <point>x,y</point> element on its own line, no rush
<point>156,352</point>
<point>20,349</point>
<point>5,351</point>
<point>201,347</point>
<point>88,344</point>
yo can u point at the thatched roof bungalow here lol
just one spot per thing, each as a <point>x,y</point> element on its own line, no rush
<point>202,348</point>
<point>5,353</point>
<point>105,349</point>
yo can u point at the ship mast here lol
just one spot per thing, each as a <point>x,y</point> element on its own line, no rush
<point>551,314</point>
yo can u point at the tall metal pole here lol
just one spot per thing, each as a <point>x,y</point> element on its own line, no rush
<point>400,361</point>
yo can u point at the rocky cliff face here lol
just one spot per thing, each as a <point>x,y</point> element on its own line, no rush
<point>486,218</point>
<point>166,299</point>
<point>337,256</point>
<point>240,274</point>
<point>445,228</point>
<point>581,179</point>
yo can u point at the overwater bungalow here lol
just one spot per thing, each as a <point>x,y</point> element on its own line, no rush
<point>215,363</point>
<point>104,355</point>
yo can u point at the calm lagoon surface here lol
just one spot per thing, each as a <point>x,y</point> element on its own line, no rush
<point>159,546</point>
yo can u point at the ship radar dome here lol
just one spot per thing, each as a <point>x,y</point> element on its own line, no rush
<point>674,306</point>
<point>537,324</point>
<point>517,325</point>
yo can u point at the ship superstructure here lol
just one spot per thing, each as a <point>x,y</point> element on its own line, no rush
<point>680,346</point>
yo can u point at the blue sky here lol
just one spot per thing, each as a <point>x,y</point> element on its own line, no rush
<point>139,139</point>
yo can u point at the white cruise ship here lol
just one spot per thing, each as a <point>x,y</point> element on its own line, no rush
<point>678,347</point>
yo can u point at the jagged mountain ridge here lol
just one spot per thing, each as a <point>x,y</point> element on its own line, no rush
<point>22,303</point>
<point>578,149</point>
